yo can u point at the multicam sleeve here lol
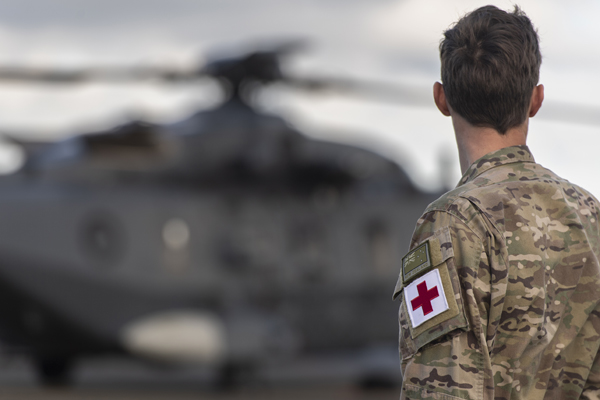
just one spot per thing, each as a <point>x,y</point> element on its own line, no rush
<point>445,356</point>
<point>591,389</point>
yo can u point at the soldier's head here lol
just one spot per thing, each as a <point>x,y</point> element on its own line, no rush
<point>490,66</point>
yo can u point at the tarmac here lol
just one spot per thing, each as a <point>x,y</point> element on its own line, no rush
<point>326,378</point>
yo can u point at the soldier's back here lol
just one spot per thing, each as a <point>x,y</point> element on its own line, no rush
<point>544,319</point>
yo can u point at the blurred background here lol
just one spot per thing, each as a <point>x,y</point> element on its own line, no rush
<point>226,200</point>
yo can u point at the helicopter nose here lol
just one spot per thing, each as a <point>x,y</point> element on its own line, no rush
<point>177,336</point>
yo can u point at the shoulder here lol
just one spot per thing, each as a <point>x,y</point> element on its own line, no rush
<point>453,209</point>
<point>529,193</point>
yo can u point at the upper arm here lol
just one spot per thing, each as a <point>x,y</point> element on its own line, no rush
<point>442,355</point>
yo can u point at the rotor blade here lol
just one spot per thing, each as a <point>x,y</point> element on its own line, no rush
<point>570,112</point>
<point>417,96</point>
<point>420,96</point>
<point>14,73</point>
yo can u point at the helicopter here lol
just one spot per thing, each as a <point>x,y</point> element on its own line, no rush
<point>225,239</point>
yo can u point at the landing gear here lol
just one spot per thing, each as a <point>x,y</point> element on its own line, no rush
<point>231,375</point>
<point>53,371</point>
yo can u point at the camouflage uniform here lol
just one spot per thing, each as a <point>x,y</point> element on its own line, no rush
<point>518,251</point>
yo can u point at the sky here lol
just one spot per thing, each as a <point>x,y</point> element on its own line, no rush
<point>388,41</point>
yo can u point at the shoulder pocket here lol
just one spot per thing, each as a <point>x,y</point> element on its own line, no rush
<point>429,291</point>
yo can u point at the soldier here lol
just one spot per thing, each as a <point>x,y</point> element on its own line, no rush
<point>500,291</point>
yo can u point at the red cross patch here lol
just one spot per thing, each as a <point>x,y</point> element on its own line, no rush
<point>425,298</point>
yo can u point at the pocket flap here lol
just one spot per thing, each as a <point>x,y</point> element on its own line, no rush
<point>422,259</point>
<point>430,293</point>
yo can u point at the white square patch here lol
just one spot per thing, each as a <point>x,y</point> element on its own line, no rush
<point>425,298</point>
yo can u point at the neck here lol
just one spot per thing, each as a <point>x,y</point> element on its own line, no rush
<point>474,142</point>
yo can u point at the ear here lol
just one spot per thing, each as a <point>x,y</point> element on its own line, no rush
<point>440,99</point>
<point>537,97</point>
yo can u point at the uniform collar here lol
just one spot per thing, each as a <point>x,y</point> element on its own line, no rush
<point>503,156</point>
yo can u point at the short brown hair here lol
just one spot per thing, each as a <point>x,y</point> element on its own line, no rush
<point>490,65</point>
